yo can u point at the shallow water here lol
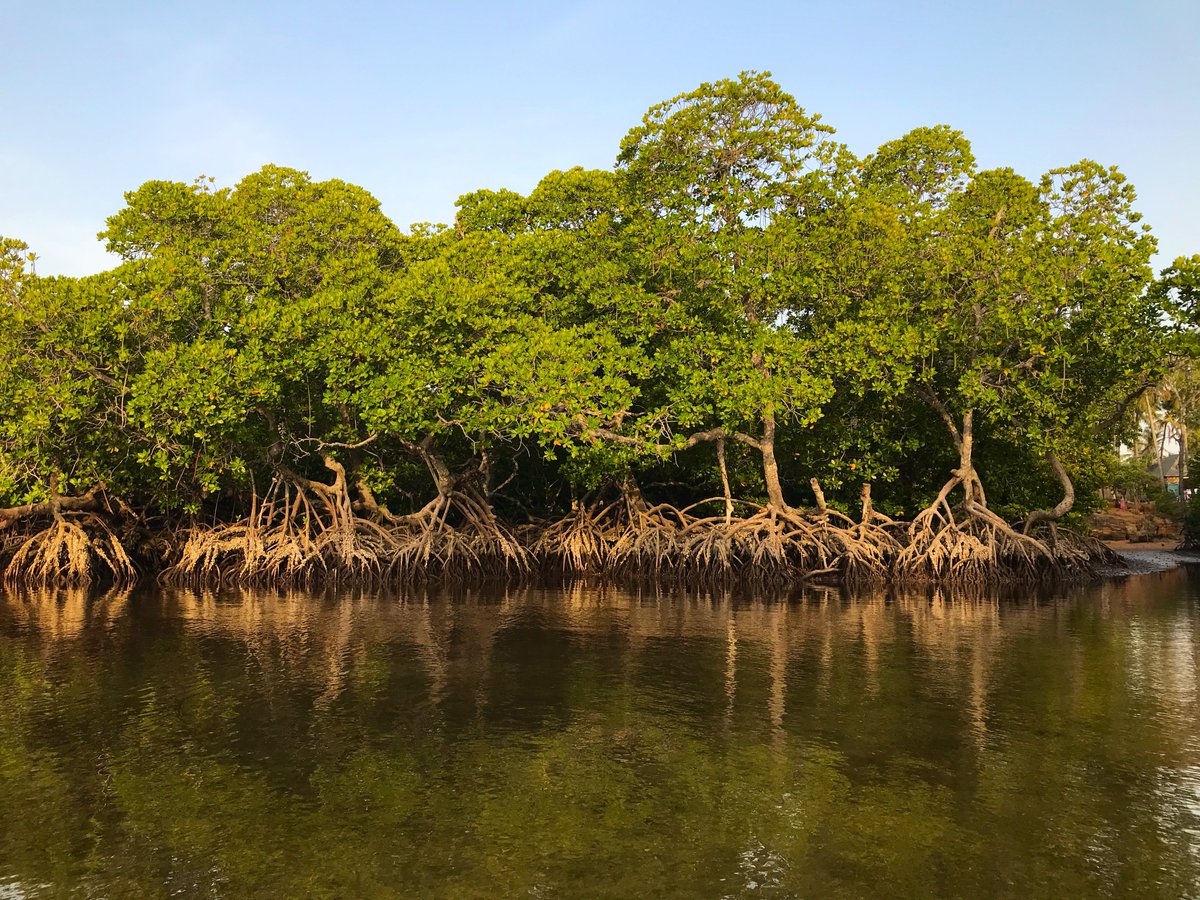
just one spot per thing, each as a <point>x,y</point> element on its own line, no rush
<point>586,742</point>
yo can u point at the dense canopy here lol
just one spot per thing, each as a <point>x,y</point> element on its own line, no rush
<point>742,351</point>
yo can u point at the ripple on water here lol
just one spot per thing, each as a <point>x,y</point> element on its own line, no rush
<point>494,743</point>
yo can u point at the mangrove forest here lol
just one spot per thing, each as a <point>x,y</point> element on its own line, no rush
<point>743,351</point>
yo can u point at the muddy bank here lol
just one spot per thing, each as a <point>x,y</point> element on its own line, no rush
<point>1142,560</point>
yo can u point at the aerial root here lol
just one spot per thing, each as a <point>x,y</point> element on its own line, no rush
<point>663,542</point>
<point>457,535</point>
<point>577,544</point>
<point>301,532</point>
<point>73,549</point>
<point>767,545</point>
<point>976,545</point>
<point>289,537</point>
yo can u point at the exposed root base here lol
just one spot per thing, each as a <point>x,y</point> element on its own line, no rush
<point>983,548</point>
<point>627,538</point>
<point>73,550</point>
<point>302,533</point>
<point>293,537</point>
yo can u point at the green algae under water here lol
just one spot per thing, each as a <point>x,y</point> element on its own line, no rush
<point>602,742</point>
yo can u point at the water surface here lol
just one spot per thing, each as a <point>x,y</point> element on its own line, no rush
<point>601,742</point>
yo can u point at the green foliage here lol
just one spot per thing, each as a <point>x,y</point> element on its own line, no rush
<point>738,274</point>
<point>1179,288</point>
<point>66,351</point>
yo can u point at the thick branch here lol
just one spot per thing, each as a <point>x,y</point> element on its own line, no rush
<point>437,468</point>
<point>338,445</point>
<point>699,437</point>
<point>89,502</point>
<point>725,480</point>
<point>822,507</point>
<point>1103,427</point>
<point>1063,506</point>
<point>75,358</point>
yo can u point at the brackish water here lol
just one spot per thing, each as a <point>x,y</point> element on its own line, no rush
<point>601,742</point>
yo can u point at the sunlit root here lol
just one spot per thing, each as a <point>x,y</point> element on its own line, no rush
<point>578,544</point>
<point>764,546</point>
<point>972,543</point>
<point>303,531</point>
<point>628,537</point>
<point>651,540</point>
<point>72,550</point>
<point>456,535</point>
<point>290,536</point>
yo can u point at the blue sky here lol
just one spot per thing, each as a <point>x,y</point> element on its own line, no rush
<point>422,102</point>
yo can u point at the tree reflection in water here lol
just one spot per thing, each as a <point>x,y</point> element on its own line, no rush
<point>590,740</point>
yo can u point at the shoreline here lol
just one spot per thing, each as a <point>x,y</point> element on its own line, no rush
<point>1150,557</point>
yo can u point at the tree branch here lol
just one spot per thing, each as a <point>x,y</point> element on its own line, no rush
<point>337,445</point>
<point>89,502</point>
<point>932,399</point>
<point>699,437</point>
<point>1063,506</point>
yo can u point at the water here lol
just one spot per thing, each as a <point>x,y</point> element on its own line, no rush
<point>551,743</point>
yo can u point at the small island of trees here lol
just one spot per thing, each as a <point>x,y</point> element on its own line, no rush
<point>742,352</point>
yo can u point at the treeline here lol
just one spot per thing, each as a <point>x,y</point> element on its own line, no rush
<point>741,351</point>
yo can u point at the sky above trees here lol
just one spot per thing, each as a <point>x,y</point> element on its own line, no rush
<point>421,103</point>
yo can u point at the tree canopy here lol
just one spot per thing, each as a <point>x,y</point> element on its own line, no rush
<point>741,348</point>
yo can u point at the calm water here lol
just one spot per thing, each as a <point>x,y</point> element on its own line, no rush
<point>549,743</point>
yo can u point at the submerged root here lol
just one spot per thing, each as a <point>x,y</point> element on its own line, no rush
<point>71,551</point>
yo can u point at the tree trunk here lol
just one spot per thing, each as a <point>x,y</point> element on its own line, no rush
<point>770,466</point>
<point>972,487</point>
<point>1154,444</point>
<point>631,491</point>
<point>868,508</point>
<point>1183,459</point>
<point>1162,451</point>
<point>964,442</point>
<point>725,480</point>
<point>55,506</point>
<point>822,506</point>
<point>974,499</point>
<point>966,449</point>
<point>438,470</point>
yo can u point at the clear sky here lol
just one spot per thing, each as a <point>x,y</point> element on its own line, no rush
<point>421,102</point>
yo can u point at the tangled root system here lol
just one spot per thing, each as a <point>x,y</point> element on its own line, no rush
<point>304,531</point>
<point>71,550</point>
<point>628,538</point>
